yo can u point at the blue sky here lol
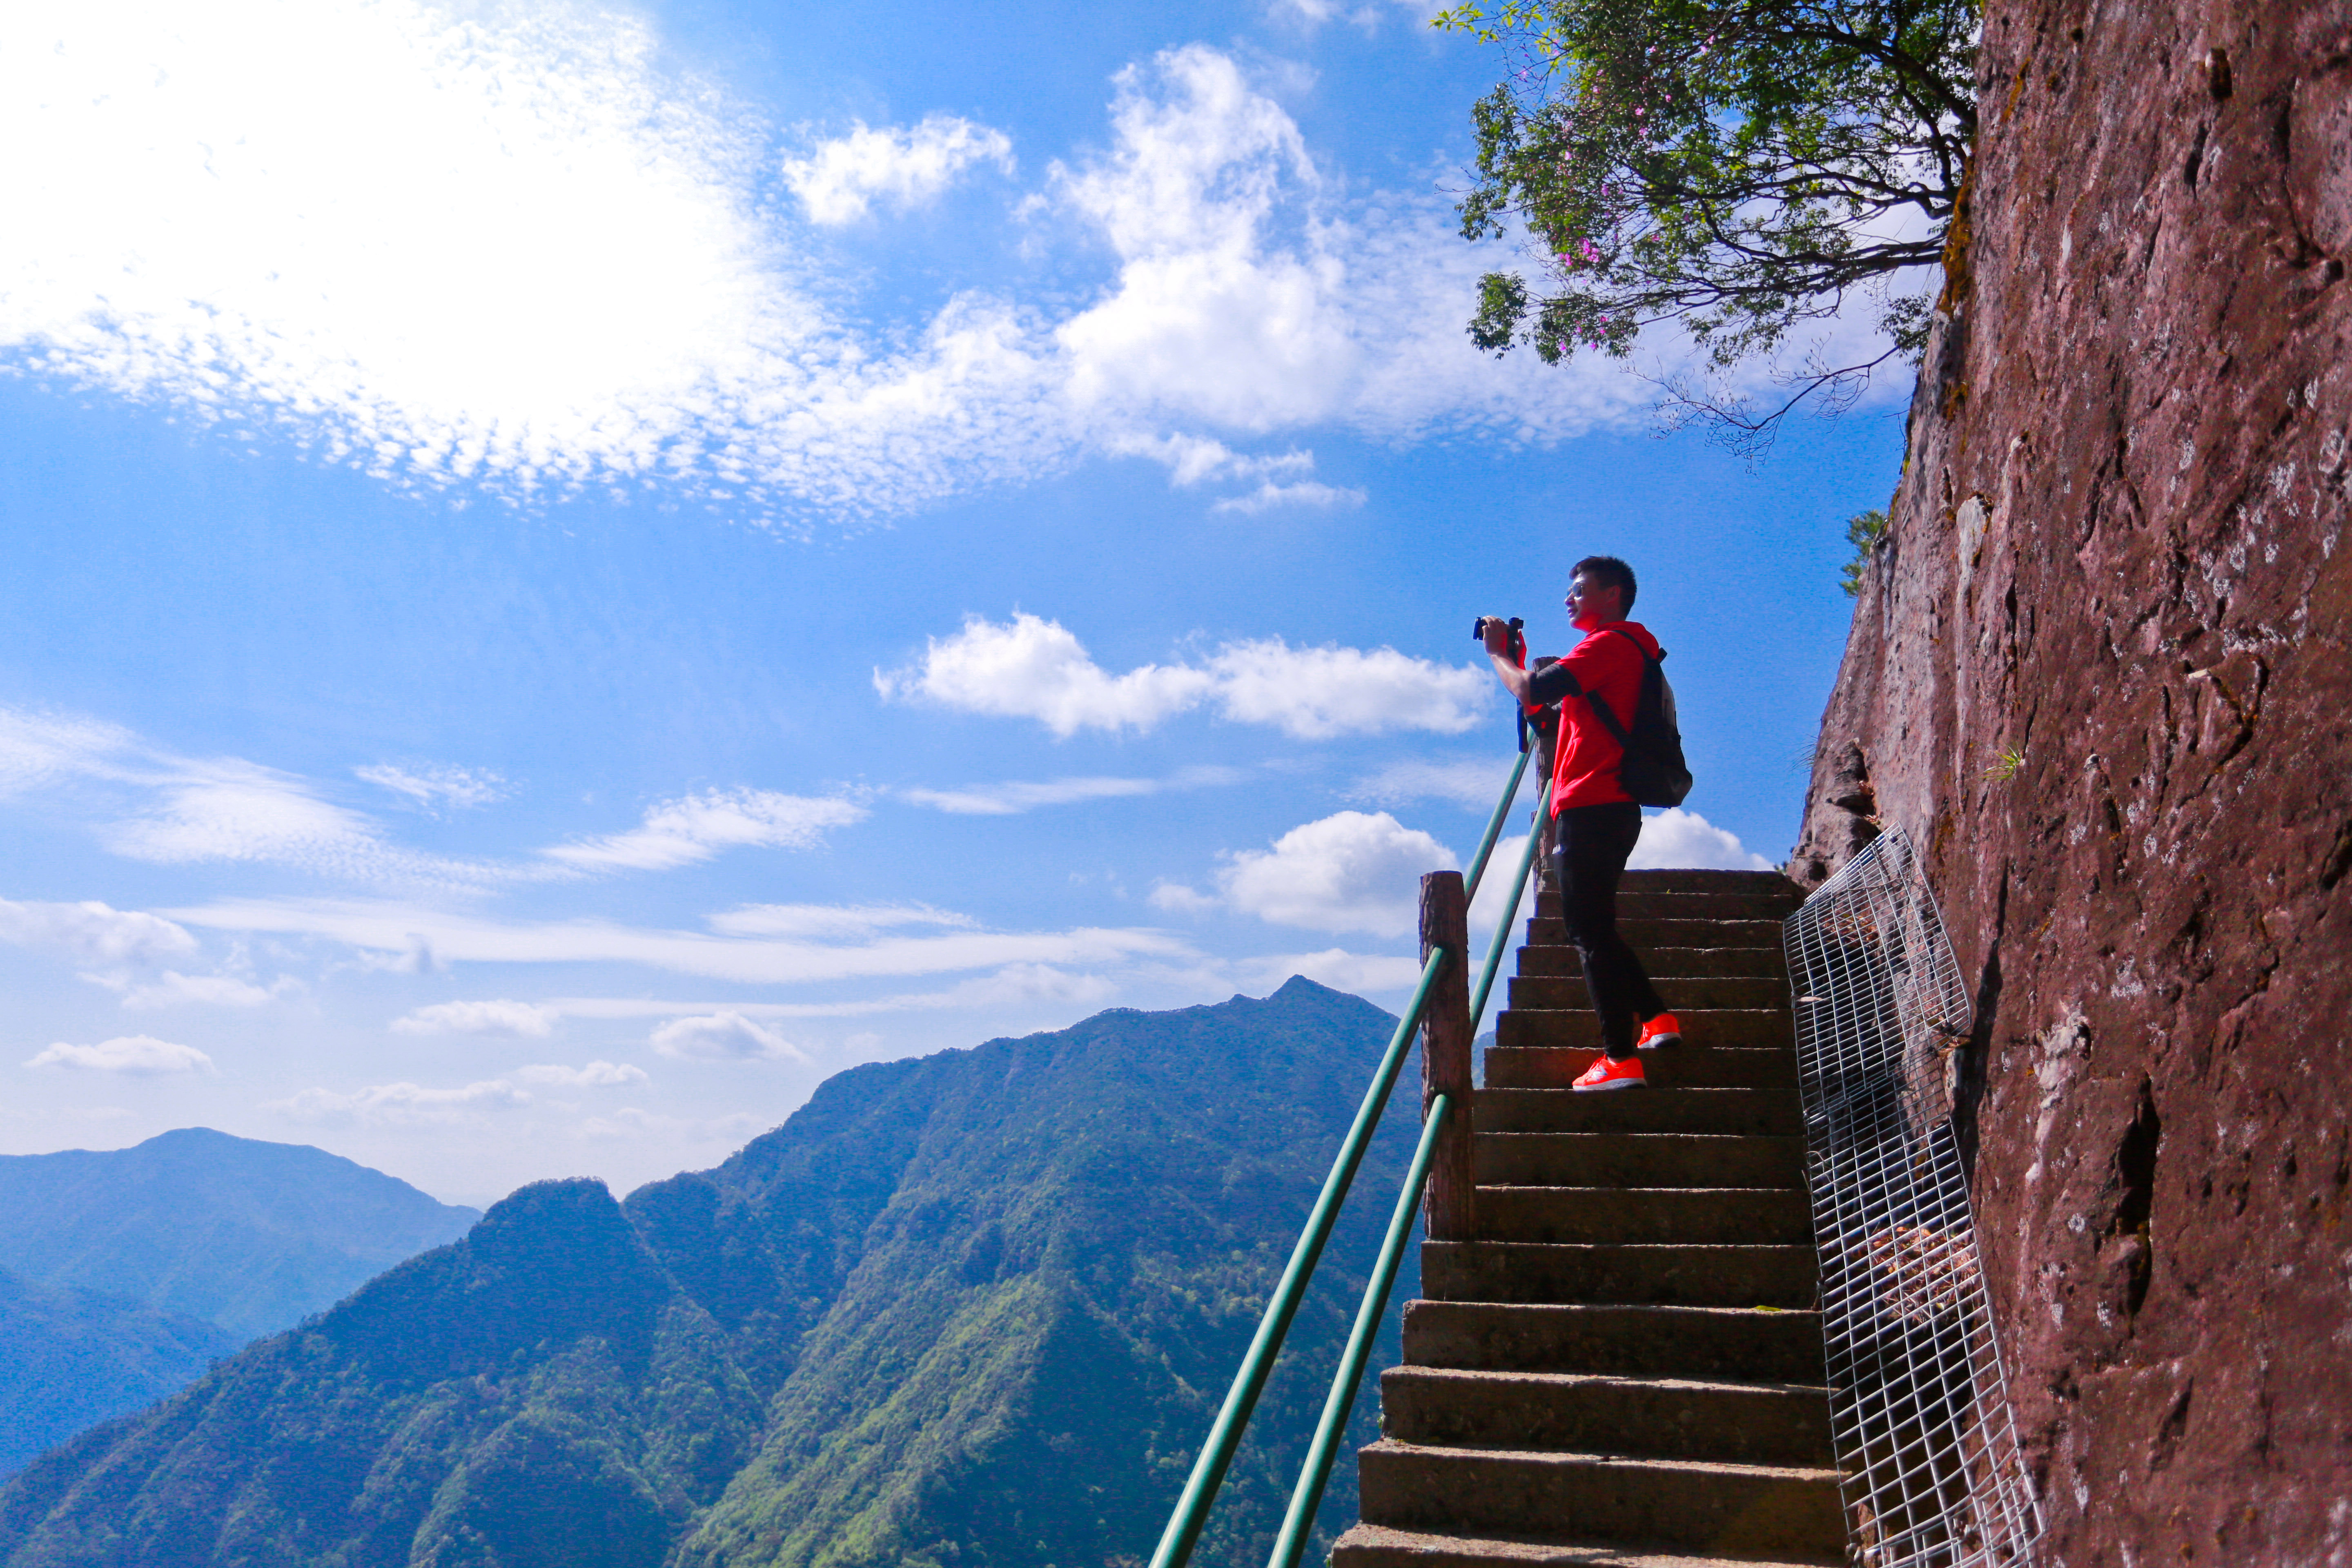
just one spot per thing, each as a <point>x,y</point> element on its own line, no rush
<point>575,571</point>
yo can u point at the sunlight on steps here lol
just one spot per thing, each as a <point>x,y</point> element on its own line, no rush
<point>1623,1365</point>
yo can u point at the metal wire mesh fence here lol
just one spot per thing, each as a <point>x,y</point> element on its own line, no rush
<point>1926,1447</point>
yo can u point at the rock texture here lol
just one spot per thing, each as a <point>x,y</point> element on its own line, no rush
<point>2099,672</point>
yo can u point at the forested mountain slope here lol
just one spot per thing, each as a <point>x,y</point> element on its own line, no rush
<point>976,1307</point>
<point>251,1236</point>
<point>73,1358</point>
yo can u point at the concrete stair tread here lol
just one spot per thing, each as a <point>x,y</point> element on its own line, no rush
<point>1629,1192</point>
<point>1803,1475</point>
<point>1381,1546</point>
<point>1554,1379</point>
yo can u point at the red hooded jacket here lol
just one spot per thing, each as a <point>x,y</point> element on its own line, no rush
<point>1584,770</point>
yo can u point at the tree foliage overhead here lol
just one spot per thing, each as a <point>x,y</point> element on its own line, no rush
<point>1740,166</point>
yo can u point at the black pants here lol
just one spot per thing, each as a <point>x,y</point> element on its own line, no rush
<point>1591,845</point>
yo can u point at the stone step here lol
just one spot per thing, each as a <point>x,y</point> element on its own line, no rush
<point>1671,1067</point>
<point>1738,1111</point>
<point>1632,904</point>
<point>1653,1418</point>
<point>1688,993</point>
<point>1378,1546</point>
<point>1665,1276</point>
<point>1633,1216</point>
<point>1782,1345</point>
<point>1754,1509</point>
<point>1671,963</point>
<point>1578,1027</point>
<point>1635,1159</point>
<point>1647,932</point>
<point>1690,880</point>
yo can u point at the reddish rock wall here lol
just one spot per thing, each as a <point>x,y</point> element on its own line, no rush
<point>2100,674</point>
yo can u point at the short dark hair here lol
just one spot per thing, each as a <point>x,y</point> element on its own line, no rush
<point>1609,572</point>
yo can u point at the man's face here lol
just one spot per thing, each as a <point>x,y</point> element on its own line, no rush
<point>1592,605</point>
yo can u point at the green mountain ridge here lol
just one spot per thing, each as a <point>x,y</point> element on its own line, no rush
<point>972,1309</point>
<point>248,1236</point>
<point>75,1357</point>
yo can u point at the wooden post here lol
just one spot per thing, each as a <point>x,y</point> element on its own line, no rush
<point>1445,1047</point>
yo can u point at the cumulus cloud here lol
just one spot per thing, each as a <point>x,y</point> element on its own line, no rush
<point>131,1056</point>
<point>696,828</point>
<point>561,270</point>
<point>840,181</point>
<point>1675,838</point>
<point>596,1075</point>
<point>92,932</point>
<point>1031,668</point>
<point>724,1036</point>
<point>459,789</point>
<point>509,1020</point>
<point>404,1104</point>
<point>1351,871</point>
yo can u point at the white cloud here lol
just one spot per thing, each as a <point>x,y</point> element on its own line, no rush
<point>92,932</point>
<point>1009,798</point>
<point>397,931</point>
<point>1179,898</point>
<point>1465,781</point>
<point>460,789</point>
<point>1338,968</point>
<point>906,167</point>
<point>1675,838</point>
<point>171,988</point>
<point>509,1020</point>
<point>1034,668</point>
<point>404,1104</point>
<point>724,1036</point>
<point>1350,871</point>
<point>696,828</point>
<point>1307,492</point>
<point>132,1056</point>
<point>833,922</point>
<point>596,1075</point>
<point>1193,460</point>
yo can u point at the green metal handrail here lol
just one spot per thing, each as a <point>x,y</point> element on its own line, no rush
<point>1291,1539</point>
<point>1225,1434</point>
<point>1502,939</point>
<point>1192,1511</point>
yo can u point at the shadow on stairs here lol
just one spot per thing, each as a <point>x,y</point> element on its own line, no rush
<point>1623,1365</point>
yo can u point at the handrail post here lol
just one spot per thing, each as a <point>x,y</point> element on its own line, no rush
<point>1445,1049</point>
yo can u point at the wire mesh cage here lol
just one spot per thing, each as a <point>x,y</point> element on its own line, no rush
<point>1927,1447</point>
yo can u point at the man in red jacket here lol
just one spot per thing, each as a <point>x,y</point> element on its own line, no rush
<point>1597,822</point>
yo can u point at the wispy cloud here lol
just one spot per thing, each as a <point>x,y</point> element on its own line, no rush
<point>696,828</point>
<point>900,166</point>
<point>394,929</point>
<point>1465,781</point>
<point>402,1104</point>
<point>129,1056</point>
<point>1307,492</point>
<point>596,1075</point>
<point>1010,798</point>
<point>458,789</point>
<point>508,1020</point>
<point>172,989</point>
<point>1031,668</point>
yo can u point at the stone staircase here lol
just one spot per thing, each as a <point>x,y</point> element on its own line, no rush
<point>1624,1367</point>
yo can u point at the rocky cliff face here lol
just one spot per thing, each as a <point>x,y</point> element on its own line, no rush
<point>2099,673</point>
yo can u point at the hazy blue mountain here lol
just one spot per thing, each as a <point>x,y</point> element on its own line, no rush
<point>975,1309</point>
<point>74,1357</point>
<point>248,1236</point>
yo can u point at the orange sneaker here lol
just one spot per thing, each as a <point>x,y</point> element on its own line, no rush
<point>1606,1074</point>
<point>1661,1030</point>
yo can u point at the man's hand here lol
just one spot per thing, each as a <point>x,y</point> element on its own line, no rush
<point>1498,633</point>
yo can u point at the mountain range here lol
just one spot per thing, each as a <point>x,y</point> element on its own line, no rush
<point>975,1310</point>
<point>124,1273</point>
